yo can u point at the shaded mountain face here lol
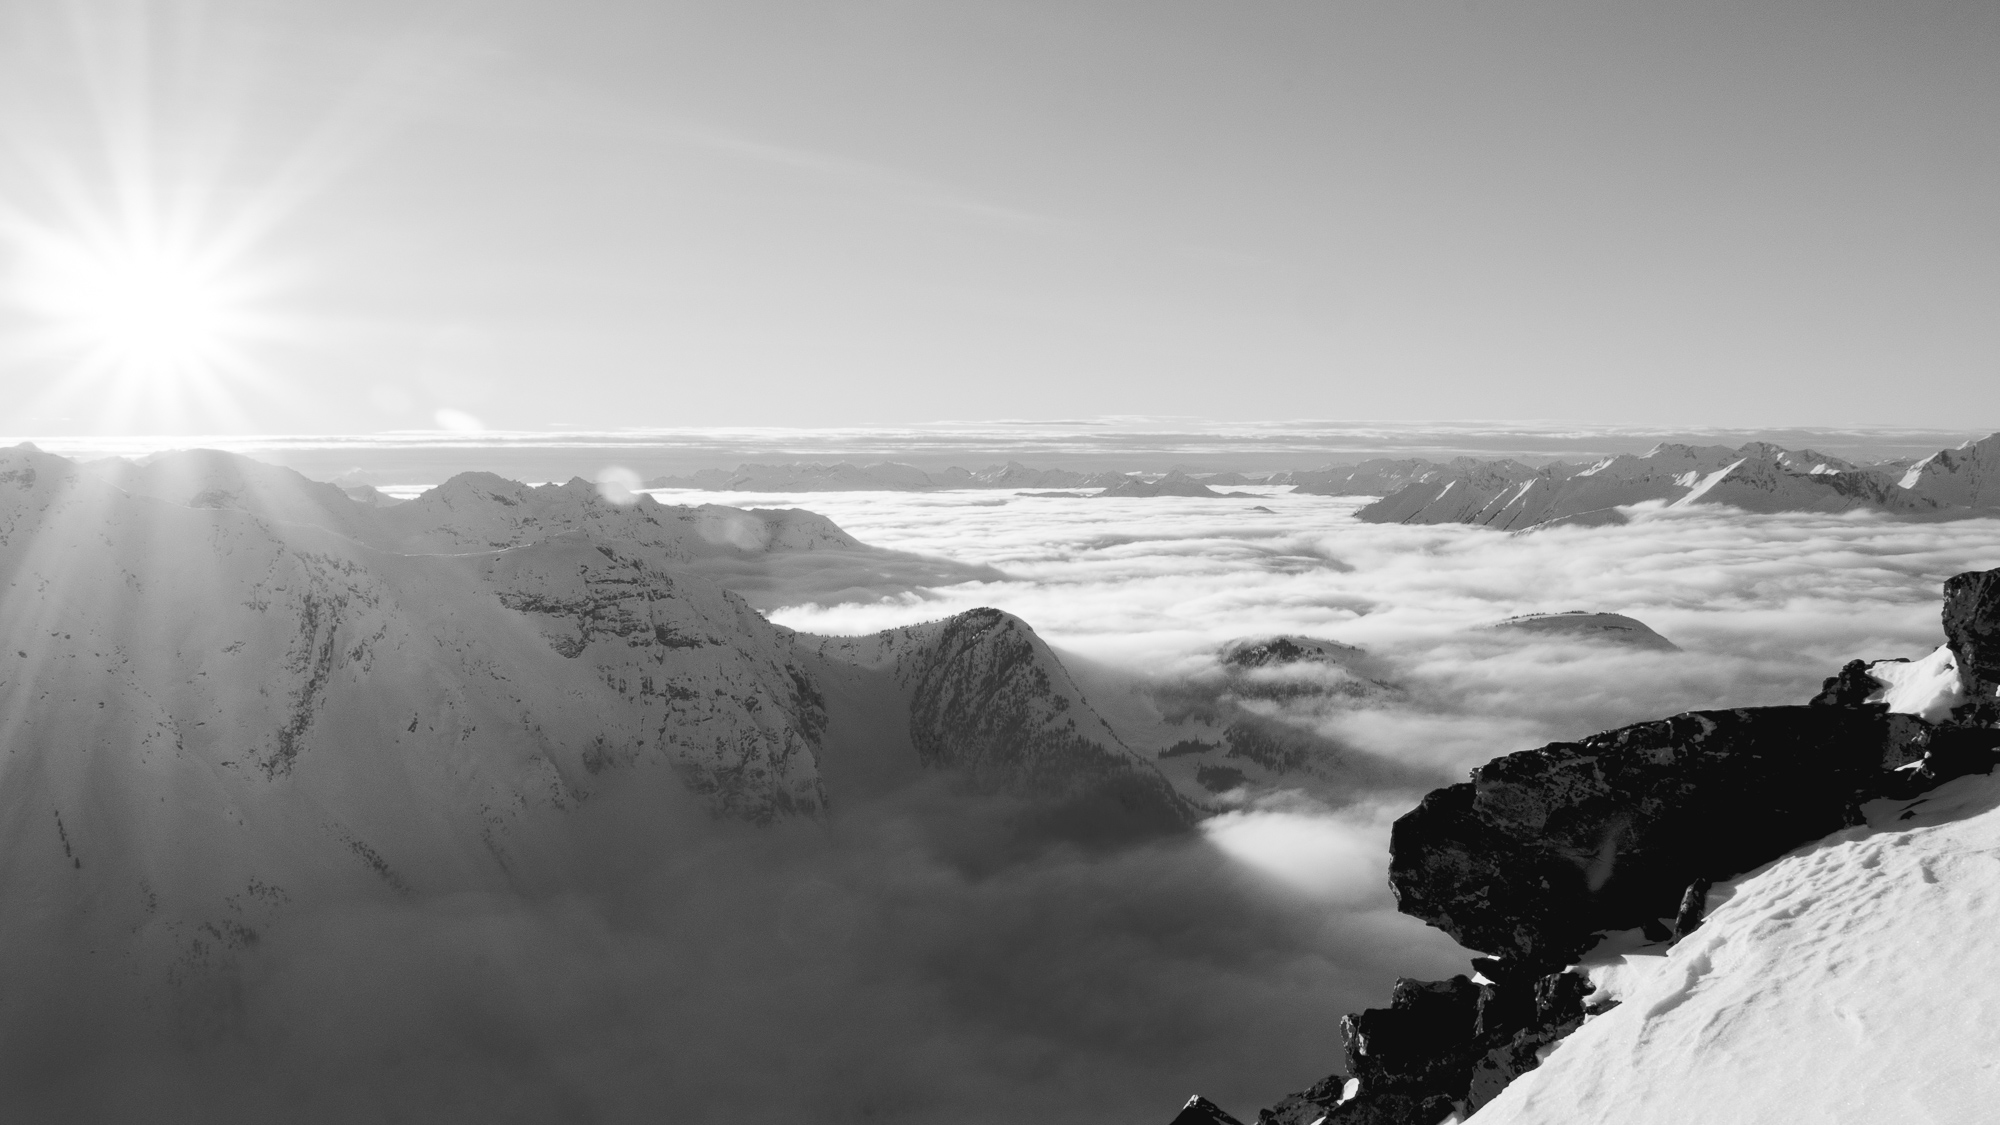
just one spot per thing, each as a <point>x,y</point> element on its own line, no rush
<point>988,700</point>
<point>1758,477</point>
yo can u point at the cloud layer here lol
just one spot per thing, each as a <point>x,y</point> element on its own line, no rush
<point>1763,606</point>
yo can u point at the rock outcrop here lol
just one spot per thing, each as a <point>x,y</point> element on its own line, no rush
<point>1544,848</point>
<point>1201,1111</point>
<point>1972,629</point>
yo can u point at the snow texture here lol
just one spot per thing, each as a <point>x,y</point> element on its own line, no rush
<point>1927,688</point>
<point>1849,982</point>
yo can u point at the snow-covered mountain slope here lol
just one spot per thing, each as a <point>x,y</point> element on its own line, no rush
<point>435,710</point>
<point>1757,477</point>
<point>1850,982</point>
<point>771,557</point>
<point>1968,476</point>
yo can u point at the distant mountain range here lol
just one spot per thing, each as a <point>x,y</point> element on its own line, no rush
<point>1504,493</point>
<point>1756,477</point>
<point>814,476</point>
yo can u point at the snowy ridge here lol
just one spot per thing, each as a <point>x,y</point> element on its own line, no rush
<point>1758,477</point>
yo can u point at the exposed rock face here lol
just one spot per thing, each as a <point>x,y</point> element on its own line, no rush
<point>1307,1107</point>
<point>1972,627</point>
<point>1201,1111</point>
<point>1542,849</point>
<point>987,698</point>
<point>1396,1049</point>
<point>1519,1029</point>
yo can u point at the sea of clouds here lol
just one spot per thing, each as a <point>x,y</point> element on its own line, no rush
<point>1762,606</point>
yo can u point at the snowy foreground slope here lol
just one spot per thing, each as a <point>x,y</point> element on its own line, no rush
<point>1850,982</point>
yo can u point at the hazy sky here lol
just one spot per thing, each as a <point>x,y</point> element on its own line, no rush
<point>599,214</point>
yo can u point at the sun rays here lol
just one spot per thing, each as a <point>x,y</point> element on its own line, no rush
<point>155,168</point>
<point>139,323</point>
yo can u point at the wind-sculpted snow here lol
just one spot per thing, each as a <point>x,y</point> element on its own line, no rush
<point>1849,983</point>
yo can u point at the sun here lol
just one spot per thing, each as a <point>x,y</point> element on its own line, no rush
<point>143,311</point>
<point>136,322</point>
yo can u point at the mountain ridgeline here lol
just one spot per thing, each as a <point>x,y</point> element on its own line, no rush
<point>221,676</point>
<point>1758,477</point>
<point>1546,854</point>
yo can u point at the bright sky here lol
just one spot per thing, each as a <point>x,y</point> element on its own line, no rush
<point>369,215</point>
